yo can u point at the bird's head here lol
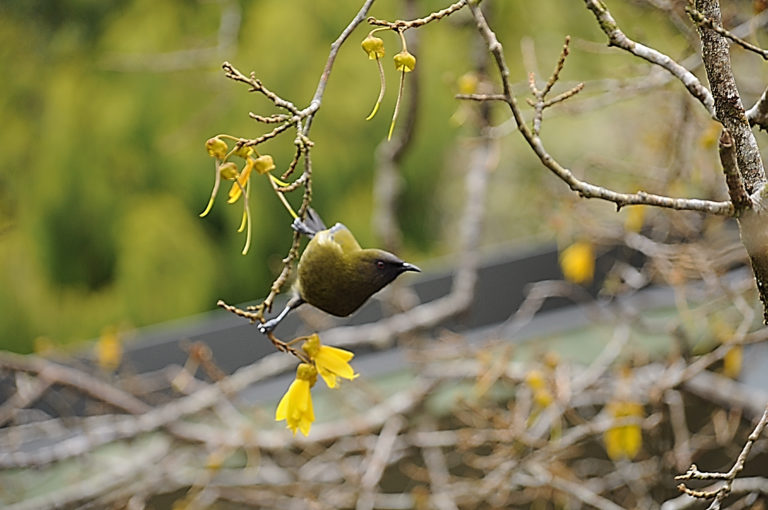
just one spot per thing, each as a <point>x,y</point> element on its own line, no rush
<point>379,267</point>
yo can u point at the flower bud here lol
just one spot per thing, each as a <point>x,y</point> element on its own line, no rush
<point>244,151</point>
<point>373,46</point>
<point>311,346</point>
<point>263,164</point>
<point>307,372</point>
<point>405,62</point>
<point>216,147</point>
<point>228,171</point>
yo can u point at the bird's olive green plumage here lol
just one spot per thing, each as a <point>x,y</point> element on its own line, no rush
<point>335,274</point>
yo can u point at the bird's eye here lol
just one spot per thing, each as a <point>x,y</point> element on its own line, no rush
<point>380,264</point>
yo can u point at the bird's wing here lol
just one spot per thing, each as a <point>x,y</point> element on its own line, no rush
<point>341,236</point>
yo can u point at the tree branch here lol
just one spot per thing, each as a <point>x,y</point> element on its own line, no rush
<point>617,38</point>
<point>728,107</point>
<point>584,189</point>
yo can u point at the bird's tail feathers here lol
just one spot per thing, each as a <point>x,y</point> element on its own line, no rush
<point>311,225</point>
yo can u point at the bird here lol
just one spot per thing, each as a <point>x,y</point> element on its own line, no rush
<point>335,274</point>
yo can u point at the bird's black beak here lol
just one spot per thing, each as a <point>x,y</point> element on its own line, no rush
<point>410,267</point>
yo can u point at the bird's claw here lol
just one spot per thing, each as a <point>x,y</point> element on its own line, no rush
<point>267,327</point>
<point>302,228</point>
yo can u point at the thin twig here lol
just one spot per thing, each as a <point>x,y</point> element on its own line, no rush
<point>402,25</point>
<point>702,20</point>
<point>617,38</point>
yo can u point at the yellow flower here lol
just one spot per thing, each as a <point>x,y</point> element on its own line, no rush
<point>578,262</point>
<point>373,46</point>
<point>263,164</point>
<point>331,362</point>
<point>228,171</point>
<point>732,362</point>
<point>538,384</point>
<point>109,349</point>
<point>216,147</point>
<point>624,441</point>
<point>405,62</point>
<point>296,405</point>
<point>238,186</point>
<point>244,151</point>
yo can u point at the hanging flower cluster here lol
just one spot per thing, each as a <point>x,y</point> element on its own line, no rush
<point>405,62</point>
<point>330,362</point>
<point>228,170</point>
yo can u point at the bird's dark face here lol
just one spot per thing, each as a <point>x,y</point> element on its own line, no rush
<point>381,267</point>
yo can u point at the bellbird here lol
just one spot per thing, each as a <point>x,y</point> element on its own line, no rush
<point>334,273</point>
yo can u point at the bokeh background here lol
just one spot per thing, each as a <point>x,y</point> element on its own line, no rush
<point>106,106</point>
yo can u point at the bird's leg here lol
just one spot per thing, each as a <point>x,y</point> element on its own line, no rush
<point>271,324</point>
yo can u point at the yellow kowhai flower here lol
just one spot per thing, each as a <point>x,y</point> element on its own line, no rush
<point>578,262</point>
<point>405,62</point>
<point>263,164</point>
<point>109,349</point>
<point>296,405</point>
<point>624,441</point>
<point>216,147</point>
<point>331,362</point>
<point>373,47</point>
<point>242,180</point>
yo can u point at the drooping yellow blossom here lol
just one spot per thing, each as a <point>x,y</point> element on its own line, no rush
<point>535,380</point>
<point>578,262</point>
<point>732,362</point>
<point>331,362</point>
<point>109,349</point>
<point>624,441</point>
<point>228,171</point>
<point>733,359</point>
<point>239,185</point>
<point>405,62</point>
<point>296,405</point>
<point>216,147</point>
<point>263,164</point>
<point>243,151</point>
<point>373,47</point>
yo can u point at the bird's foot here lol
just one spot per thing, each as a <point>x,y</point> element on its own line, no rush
<point>268,327</point>
<point>302,228</point>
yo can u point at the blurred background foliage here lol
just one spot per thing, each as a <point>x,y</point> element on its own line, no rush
<point>106,106</point>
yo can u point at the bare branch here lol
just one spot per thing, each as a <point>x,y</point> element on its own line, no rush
<point>728,106</point>
<point>401,25</point>
<point>736,191</point>
<point>584,189</point>
<point>54,373</point>
<point>702,20</point>
<point>758,114</point>
<point>617,38</point>
<point>721,493</point>
<point>317,99</point>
